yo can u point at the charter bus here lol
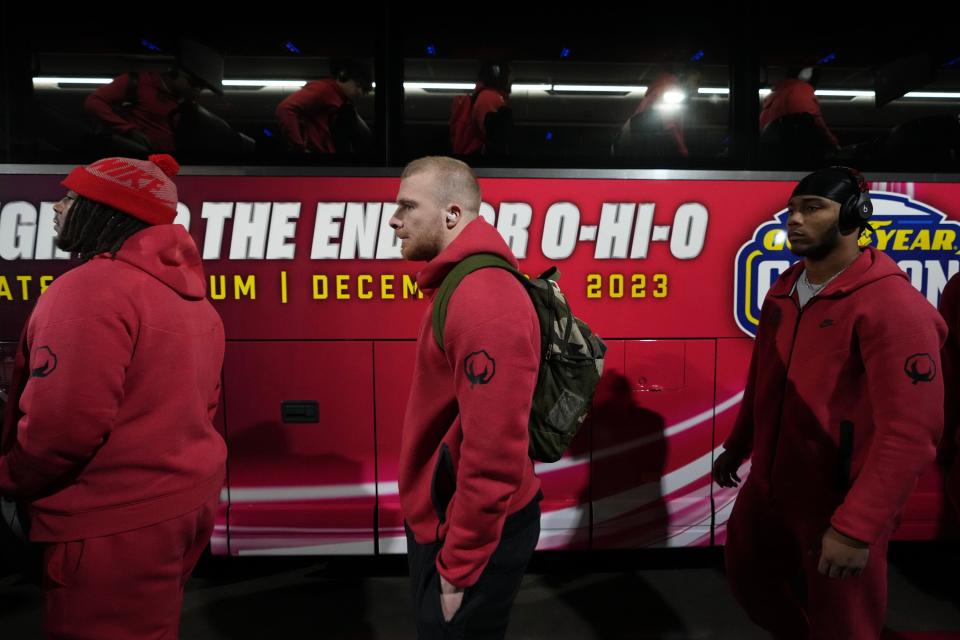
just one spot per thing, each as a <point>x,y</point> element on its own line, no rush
<point>667,256</point>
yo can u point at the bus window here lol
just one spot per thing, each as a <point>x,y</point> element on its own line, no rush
<point>894,109</point>
<point>281,97</point>
<point>566,102</point>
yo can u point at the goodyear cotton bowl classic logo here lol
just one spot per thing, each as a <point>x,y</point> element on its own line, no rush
<point>920,239</point>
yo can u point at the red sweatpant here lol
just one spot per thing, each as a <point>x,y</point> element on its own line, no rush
<point>953,484</point>
<point>768,549</point>
<point>126,585</point>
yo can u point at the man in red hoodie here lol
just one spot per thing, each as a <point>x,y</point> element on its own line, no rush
<point>950,310</point>
<point>468,490</point>
<point>842,412</point>
<point>793,95</point>
<point>110,442</point>
<point>655,129</point>
<point>316,117</point>
<point>146,106</point>
<point>481,123</point>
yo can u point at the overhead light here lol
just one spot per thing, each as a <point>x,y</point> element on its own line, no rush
<point>48,80</point>
<point>933,94</point>
<point>844,93</point>
<point>597,88</point>
<point>674,97</point>
<point>290,84</point>
<point>440,86</point>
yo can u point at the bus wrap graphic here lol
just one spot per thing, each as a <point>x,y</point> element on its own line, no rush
<point>919,238</point>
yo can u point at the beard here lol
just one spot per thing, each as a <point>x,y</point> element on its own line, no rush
<point>424,248</point>
<point>822,246</point>
<point>62,243</point>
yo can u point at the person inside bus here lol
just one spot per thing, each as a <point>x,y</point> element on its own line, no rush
<point>791,124</point>
<point>655,129</point>
<point>321,118</point>
<point>842,412</point>
<point>481,124</point>
<point>144,108</point>
<point>468,491</point>
<point>950,356</point>
<point>109,441</point>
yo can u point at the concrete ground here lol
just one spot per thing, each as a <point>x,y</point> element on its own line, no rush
<point>668,594</point>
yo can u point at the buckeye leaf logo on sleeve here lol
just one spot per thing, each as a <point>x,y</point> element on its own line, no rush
<point>920,367</point>
<point>46,361</point>
<point>479,367</point>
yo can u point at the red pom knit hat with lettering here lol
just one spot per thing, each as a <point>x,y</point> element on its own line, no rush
<point>140,188</point>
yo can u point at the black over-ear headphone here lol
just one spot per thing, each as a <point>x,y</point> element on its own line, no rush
<point>857,209</point>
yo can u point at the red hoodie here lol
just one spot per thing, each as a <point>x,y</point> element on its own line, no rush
<point>794,96</point>
<point>306,116</point>
<point>950,310</point>
<point>867,350</point>
<point>672,120</point>
<point>115,424</point>
<point>470,137</point>
<point>471,433</point>
<point>154,112</point>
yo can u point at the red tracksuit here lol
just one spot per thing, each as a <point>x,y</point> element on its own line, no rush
<point>471,137</point>
<point>950,310</point>
<point>794,96</point>
<point>673,121</point>
<point>475,430</point>
<point>155,111</point>
<point>865,350</point>
<point>306,117</point>
<point>115,453</point>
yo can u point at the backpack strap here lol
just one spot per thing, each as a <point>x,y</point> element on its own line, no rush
<point>465,267</point>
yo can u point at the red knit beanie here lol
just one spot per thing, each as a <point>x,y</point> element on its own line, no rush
<point>140,188</point>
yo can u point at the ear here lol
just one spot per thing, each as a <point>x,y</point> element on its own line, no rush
<point>452,216</point>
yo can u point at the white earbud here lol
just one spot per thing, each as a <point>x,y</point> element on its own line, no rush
<point>452,217</point>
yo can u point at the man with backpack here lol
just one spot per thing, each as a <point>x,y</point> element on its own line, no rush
<point>145,107</point>
<point>468,490</point>
<point>481,123</point>
<point>321,118</point>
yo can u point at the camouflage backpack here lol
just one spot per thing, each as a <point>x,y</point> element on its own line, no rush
<point>571,355</point>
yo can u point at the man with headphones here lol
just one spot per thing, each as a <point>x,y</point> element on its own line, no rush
<point>841,413</point>
<point>947,456</point>
<point>321,118</point>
